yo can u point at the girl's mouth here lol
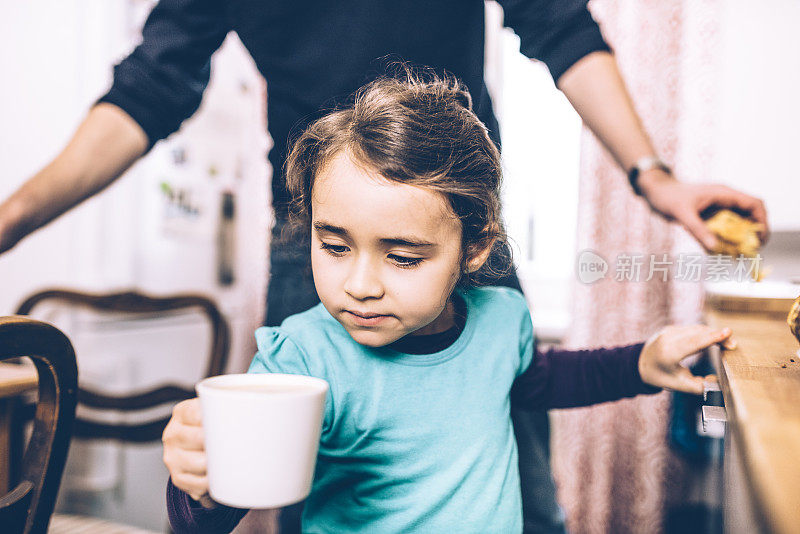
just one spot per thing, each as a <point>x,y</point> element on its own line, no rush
<point>366,319</point>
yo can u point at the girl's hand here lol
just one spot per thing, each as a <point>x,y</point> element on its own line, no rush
<point>184,451</point>
<point>659,362</point>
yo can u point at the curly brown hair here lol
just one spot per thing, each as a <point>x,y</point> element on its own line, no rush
<point>415,128</point>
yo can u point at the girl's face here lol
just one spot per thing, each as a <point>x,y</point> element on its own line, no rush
<point>385,255</point>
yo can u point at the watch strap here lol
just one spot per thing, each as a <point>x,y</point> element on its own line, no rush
<point>643,165</point>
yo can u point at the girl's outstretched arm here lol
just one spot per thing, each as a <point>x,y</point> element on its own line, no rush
<point>572,378</point>
<point>568,379</point>
<point>660,362</point>
<point>188,516</point>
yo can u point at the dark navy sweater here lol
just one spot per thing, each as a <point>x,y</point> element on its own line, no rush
<point>315,53</point>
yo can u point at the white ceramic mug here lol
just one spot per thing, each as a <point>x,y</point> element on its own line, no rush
<point>262,435</point>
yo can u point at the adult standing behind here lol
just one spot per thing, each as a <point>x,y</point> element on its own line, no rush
<point>313,53</point>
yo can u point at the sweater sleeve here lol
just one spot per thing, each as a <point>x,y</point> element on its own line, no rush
<point>568,379</point>
<point>188,516</point>
<point>556,32</point>
<point>161,83</point>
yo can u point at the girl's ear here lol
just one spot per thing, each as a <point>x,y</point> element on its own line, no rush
<point>478,255</point>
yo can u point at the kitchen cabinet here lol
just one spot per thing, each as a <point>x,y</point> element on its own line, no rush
<point>760,383</point>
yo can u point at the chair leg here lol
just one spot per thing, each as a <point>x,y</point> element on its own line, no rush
<point>6,431</point>
<point>22,413</point>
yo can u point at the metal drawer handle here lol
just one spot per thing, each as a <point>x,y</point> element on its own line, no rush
<point>709,386</point>
<point>714,419</point>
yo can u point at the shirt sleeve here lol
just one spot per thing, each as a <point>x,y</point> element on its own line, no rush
<point>568,379</point>
<point>556,32</point>
<point>527,341</point>
<point>161,83</point>
<point>187,516</point>
<point>278,353</point>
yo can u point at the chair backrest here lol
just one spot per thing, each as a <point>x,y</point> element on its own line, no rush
<point>140,305</point>
<point>28,506</point>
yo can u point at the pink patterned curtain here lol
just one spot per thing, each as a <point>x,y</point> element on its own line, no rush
<point>612,464</point>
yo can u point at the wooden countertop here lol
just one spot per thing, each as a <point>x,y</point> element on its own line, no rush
<point>760,382</point>
<point>16,379</point>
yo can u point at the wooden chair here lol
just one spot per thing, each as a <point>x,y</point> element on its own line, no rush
<point>140,306</point>
<point>27,508</point>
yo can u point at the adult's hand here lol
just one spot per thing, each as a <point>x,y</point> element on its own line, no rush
<point>104,146</point>
<point>684,203</point>
<point>10,232</point>
<point>596,90</point>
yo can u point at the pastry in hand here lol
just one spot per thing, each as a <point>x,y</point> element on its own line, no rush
<point>794,319</point>
<point>736,236</point>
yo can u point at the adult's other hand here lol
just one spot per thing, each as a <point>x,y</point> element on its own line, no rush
<point>684,203</point>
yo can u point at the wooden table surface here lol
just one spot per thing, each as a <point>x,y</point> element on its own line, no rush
<point>760,382</point>
<point>16,379</point>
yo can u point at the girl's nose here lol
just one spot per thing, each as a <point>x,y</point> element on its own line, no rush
<point>363,281</point>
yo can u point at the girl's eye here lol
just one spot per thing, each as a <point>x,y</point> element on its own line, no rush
<point>405,261</point>
<point>333,250</point>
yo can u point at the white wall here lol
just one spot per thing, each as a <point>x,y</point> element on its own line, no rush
<point>757,133</point>
<point>541,151</point>
<point>48,82</point>
<point>759,105</point>
<point>56,61</point>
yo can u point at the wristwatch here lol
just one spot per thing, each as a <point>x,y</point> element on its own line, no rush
<point>643,165</point>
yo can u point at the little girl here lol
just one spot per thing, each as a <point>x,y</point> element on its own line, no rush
<point>399,195</point>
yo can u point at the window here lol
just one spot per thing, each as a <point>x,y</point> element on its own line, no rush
<point>541,146</point>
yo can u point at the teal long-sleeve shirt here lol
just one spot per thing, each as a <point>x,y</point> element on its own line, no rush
<point>412,442</point>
